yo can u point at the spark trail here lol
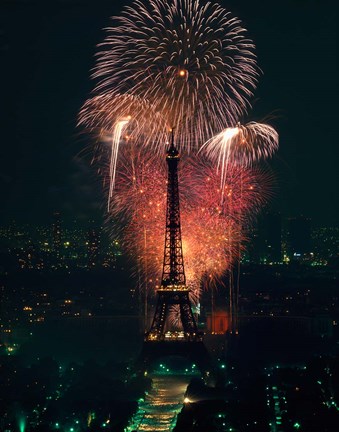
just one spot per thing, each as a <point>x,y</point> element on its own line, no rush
<point>114,156</point>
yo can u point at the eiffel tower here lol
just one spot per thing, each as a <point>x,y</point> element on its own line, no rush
<point>173,290</point>
<point>161,340</point>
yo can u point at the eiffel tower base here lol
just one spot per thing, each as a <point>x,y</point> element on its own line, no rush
<point>168,298</point>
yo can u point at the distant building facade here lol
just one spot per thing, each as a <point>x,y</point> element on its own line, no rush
<point>56,234</point>
<point>217,322</point>
<point>299,237</point>
<point>265,247</point>
<point>93,247</point>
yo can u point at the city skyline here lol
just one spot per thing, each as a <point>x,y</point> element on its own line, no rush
<point>273,241</point>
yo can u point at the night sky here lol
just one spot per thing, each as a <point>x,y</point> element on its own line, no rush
<point>47,50</point>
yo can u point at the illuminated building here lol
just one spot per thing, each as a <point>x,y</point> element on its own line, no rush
<point>93,244</point>
<point>56,234</point>
<point>299,237</point>
<point>218,322</point>
<point>265,247</point>
<point>325,241</point>
<point>272,237</point>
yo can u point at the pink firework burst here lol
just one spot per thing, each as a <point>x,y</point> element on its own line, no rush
<point>212,234</point>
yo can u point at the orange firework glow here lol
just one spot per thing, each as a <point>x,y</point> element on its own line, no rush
<point>212,232</point>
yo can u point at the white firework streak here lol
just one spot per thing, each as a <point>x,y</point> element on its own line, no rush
<point>118,128</point>
<point>242,145</point>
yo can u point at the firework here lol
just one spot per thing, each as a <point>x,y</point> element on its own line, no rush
<point>244,145</point>
<point>138,208</point>
<point>214,232</point>
<point>245,190</point>
<point>190,63</point>
<point>145,125</point>
<point>212,235</point>
<point>118,128</point>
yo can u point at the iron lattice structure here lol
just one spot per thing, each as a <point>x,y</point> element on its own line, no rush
<point>173,290</point>
<point>173,273</point>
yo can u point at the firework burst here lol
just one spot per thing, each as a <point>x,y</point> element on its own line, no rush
<point>211,234</point>
<point>190,63</point>
<point>243,145</point>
